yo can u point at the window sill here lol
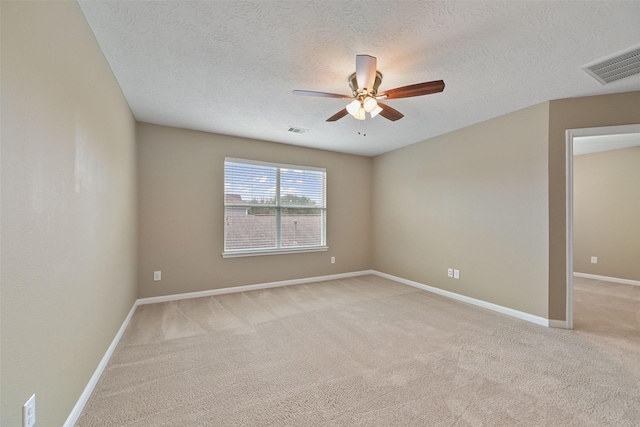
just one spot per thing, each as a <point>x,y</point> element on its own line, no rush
<point>237,254</point>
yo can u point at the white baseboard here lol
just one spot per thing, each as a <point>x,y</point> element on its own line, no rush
<point>245,288</point>
<point>84,397</point>
<point>480,303</point>
<point>608,279</point>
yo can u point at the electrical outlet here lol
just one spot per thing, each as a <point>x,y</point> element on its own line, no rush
<point>333,260</point>
<point>594,260</point>
<point>456,274</point>
<point>157,276</point>
<point>29,412</point>
<point>450,272</point>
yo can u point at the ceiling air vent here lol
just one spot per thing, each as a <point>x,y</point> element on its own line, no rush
<point>615,67</point>
<point>297,130</point>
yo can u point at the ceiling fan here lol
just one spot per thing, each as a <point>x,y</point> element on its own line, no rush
<point>364,84</point>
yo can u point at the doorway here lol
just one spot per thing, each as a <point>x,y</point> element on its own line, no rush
<point>573,137</point>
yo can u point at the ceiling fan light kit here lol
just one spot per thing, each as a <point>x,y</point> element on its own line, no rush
<point>354,107</point>
<point>364,85</point>
<point>369,104</point>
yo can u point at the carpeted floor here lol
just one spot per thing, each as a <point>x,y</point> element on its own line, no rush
<point>372,352</point>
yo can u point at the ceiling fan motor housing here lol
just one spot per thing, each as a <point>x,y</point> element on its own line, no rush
<point>361,93</point>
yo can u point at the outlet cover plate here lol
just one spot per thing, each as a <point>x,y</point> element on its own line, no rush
<point>29,412</point>
<point>157,275</point>
<point>456,274</point>
<point>450,272</point>
<point>594,260</point>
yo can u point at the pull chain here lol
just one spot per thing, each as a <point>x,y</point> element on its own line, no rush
<point>363,132</point>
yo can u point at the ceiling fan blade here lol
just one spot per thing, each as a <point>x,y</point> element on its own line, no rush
<point>418,89</point>
<point>390,113</point>
<point>337,116</point>
<point>366,71</point>
<point>320,94</point>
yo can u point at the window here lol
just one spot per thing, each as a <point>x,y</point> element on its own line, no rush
<point>273,208</point>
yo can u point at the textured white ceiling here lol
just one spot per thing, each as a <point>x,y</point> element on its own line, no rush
<point>229,66</point>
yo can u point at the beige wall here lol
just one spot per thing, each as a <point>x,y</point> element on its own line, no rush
<point>488,199</point>
<point>181,213</point>
<point>68,208</point>
<point>474,199</point>
<point>575,113</point>
<point>606,194</point>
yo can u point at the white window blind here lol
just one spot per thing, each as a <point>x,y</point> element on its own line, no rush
<point>271,208</point>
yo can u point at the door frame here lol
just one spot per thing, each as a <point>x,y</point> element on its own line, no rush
<point>570,135</point>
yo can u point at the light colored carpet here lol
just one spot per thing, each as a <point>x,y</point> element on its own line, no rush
<point>372,352</point>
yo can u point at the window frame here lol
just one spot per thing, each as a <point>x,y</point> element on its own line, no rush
<point>278,249</point>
